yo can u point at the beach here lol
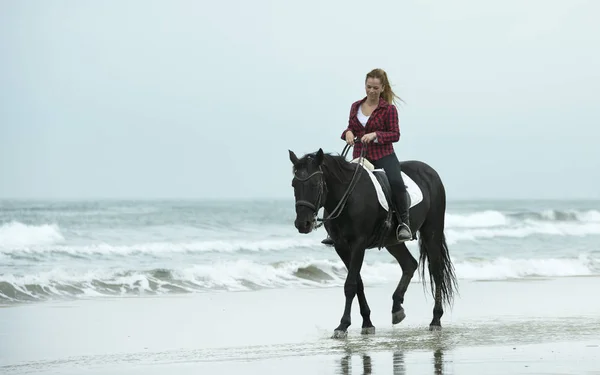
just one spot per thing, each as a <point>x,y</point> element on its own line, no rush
<point>537,326</point>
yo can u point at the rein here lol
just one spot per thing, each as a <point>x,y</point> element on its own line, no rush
<point>342,203</point>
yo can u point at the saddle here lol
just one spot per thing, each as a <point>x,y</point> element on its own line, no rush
<point>384,184</point>
<point>384,195</point>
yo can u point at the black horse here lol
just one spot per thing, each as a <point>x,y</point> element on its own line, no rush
<point>357,222</point>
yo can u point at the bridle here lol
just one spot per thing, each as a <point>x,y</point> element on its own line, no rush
<point>323,188</point>
<point>301,202</point>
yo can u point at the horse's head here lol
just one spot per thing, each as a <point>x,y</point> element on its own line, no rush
<point>309,189</point>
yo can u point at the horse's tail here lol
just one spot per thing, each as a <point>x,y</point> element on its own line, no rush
<point>434,250</point>
<point>441,269</point>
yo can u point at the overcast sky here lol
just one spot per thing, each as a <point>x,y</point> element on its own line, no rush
<point>202,99</point>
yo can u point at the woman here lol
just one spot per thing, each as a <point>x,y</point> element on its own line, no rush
<point>374,120</point>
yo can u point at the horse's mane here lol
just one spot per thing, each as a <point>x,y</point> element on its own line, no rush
<point>339,168</point>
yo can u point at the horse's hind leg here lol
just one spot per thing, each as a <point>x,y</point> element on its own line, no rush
<point>409,265</point>
<point>441,271</point>
<point>430,244</point>
<point>365,311</point>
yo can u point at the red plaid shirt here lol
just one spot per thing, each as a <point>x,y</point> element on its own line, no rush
<point>383,121</point>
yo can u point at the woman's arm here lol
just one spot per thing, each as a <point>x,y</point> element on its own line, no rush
<point>349,128</point>
<point>392,132</point>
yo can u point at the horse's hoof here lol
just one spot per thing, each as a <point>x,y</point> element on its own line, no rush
<point>398,316</point>
<point>367,331</point>
<point>338,334</point>
<point>435,327</point>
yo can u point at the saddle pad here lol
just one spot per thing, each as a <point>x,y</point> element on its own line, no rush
<point>414,191</point>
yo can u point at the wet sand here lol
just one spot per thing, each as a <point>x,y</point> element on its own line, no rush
<point>517,327</point>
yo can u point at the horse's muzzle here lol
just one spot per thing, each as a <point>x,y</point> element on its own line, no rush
<point>305,226</point>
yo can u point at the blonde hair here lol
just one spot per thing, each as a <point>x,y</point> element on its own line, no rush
<point>388,94</point>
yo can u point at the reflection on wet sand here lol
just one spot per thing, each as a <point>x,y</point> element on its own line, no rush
<point>438,362</point>
<point>398,365</point>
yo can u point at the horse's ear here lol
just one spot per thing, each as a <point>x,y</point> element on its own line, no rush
<point>319,156</point>
<point>293,157</point>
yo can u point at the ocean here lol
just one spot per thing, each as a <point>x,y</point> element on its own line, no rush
<point>65,250</point>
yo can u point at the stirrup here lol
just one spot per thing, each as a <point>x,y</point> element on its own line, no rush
<point>399,228</point>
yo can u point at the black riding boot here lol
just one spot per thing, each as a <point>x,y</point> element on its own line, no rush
<point>327,241</point>
<point>403,232</point>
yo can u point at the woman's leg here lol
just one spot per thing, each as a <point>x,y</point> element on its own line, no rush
<point>400,196</point>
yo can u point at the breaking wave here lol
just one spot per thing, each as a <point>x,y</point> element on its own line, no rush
<point>15,235</point>
<point>491,218</point>
<point>495,224</point>
<point>248,275</point>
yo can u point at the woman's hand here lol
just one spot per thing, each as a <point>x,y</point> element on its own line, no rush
<point>350,138</point>
<point>370,137</point>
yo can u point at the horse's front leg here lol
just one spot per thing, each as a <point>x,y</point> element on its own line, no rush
<point>367,326</point>
<point>357,256</point>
